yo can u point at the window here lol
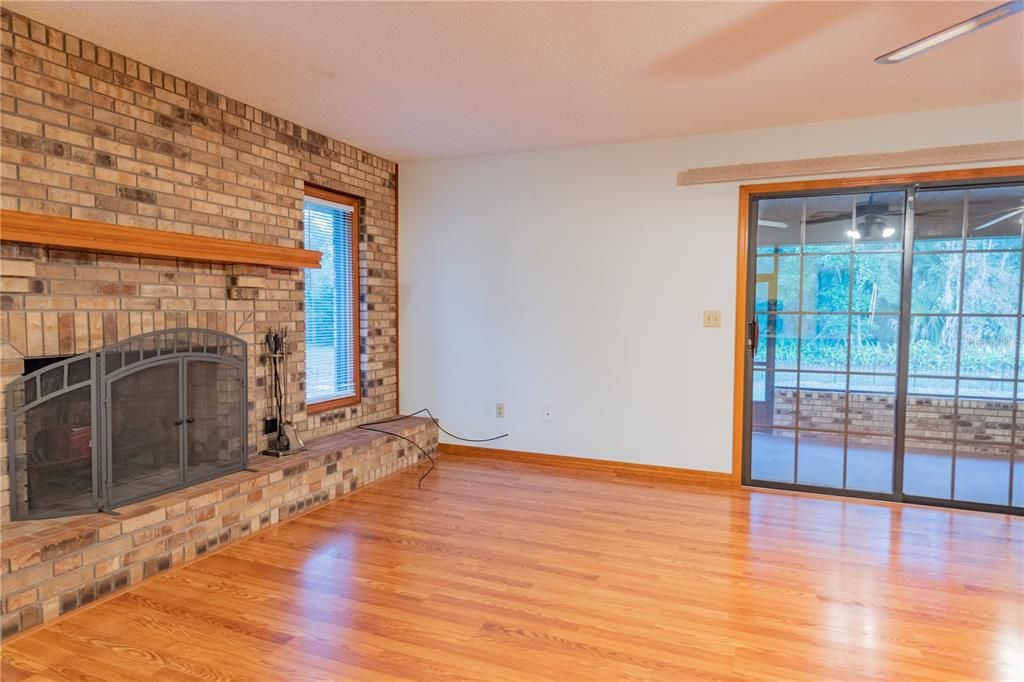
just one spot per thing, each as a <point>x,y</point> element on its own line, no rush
<point>332,301</point>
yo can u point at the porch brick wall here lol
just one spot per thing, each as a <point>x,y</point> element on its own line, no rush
<point>89,133</point>
<point>981,427</point>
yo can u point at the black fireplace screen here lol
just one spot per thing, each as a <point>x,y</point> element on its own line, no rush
<point>151,414</point>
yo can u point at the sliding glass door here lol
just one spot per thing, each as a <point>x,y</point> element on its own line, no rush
<point>884,344</point>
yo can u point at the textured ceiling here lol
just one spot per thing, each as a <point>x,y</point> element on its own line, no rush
<point>427,80</point>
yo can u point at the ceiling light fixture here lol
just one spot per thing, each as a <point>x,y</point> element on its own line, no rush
<point>853,234</point>
<point>772,223</point>
<point>888,232</point>
<point>955,31</point>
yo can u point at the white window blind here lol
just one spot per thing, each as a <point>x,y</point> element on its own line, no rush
<point>330,316</point>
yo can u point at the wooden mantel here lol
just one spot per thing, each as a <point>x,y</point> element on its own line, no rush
<point>89,235</point>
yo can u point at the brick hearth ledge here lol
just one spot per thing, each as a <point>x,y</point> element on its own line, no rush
<point>52,566</point>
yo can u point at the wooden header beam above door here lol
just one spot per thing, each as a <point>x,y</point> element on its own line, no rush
<point>88,235</point>
<point>1008,150</point>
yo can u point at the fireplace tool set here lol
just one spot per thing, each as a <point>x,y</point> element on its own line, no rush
<point>286,440</point>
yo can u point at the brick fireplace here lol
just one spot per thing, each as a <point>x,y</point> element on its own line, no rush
<point>92,135</point>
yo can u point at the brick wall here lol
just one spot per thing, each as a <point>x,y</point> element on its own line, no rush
<point>88,133</point>
<point>981,427</point>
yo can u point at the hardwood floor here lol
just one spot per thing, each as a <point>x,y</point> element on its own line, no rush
<point>510,571</point>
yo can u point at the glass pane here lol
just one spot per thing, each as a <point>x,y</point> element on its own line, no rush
<point>939,220</point>
<point>983,446</point>
<point>822,402</point>
<point>823,381</point>
<point>982,477</point>
<point>826,283</point>
<point>874,412</point>
<point>879,225</point>
<point>778,225</point>
<point>774,399</point>
<point>820,459</point>
<point>829,223</point>
<point>988,347</point>
<point>771,455</point>
<point>145,440</point>
<point>53,465</point>
<point>986,389</point>
<point>764,300</point>
<point>869,463</point>
<point>995,217</point>
<point>777,347</point>
<point>927,468</point>
<point>1018,479</point>
<point>786,284</point>
<point>215,401</point>
<point>823,342</point>
<point>1018,451</point>
<point>874,343</point>
<point>926,387</point>
<point>331,361</point>
<point>930,417</point>
<point>983,426</point>
<point>992,283</point>
<point>936,283</point>
<point>873,383</point>
<point>933,344</point>
<point>758,386</point>
<point>876,282</point>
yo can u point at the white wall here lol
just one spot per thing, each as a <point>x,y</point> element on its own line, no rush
<point>576,279</point>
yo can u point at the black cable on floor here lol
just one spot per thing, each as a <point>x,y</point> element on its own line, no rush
<point>419,484</point>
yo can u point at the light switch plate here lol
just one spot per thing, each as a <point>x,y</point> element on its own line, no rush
<point>712,318</point>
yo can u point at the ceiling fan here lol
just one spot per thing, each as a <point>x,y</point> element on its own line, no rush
<point>955,31</point>
<point>871,219</point>
<point>870,216</point>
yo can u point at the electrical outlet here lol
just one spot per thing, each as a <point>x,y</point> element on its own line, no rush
<point>712,318</point>
<point>547,414</point>
<point>499,410</point>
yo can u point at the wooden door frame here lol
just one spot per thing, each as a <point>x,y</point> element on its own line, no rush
<point>748,192</point>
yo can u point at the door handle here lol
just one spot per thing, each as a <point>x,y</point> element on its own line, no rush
<point>179,422</point>
<point>190,419</point>
<point>754,336</point>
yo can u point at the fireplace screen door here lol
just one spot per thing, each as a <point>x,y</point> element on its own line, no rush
<point>884,344</point>
<point>152,414</point>
<point>172,423</point>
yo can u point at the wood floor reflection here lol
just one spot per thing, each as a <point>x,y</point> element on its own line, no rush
<point>510,571</point>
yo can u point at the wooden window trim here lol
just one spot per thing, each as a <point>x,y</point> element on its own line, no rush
<point>335,403</point>
<point>355,204</point>
<point>743,245</point>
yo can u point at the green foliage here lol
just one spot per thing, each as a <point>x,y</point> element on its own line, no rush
<point>991,286</point>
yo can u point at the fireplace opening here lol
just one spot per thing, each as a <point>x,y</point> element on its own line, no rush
<point>152,414</point>
<point>35,364</point>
